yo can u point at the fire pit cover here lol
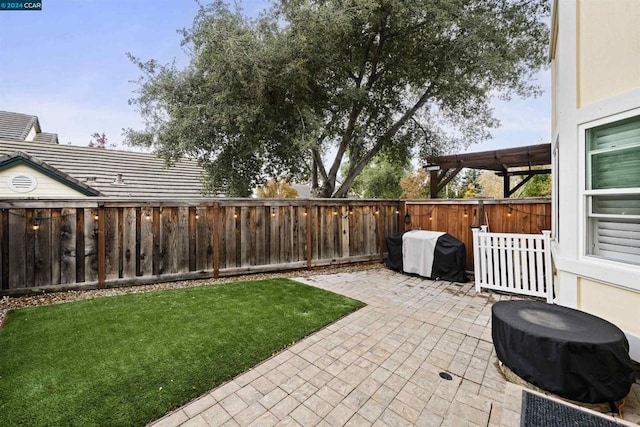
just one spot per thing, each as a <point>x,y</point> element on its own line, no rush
<point>565,351</point>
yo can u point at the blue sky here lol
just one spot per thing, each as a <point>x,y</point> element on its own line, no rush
<point>67,64</point>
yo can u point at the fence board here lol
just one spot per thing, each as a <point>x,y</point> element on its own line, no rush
<point>55,243</point>
<point>148,241</point>
<point>68,246</point>
<point>129,246</point>
<point>42,250</point>
<point>90,245</point>
<point>80,245</point>
<point>528,216</point>
<point>261,237</point>
<point>112,244</point>
<point>4,249</point>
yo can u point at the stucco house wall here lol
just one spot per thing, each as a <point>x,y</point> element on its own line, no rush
<point>595,65</point>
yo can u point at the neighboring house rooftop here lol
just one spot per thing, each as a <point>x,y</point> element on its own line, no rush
<point>23,127</point>
<point>19,157</point>
<point>46,137</point>
<point>115,173</point>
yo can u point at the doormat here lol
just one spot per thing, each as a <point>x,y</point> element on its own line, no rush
<point>539,411</point>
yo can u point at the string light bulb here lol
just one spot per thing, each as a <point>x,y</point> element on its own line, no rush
<point>96,217</point>
<point>509,213</point>
<point>465,213</point>
<point>148,216</point>
<point>36,225</point>
<point>197,216</point>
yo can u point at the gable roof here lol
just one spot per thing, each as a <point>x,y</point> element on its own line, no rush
<point>46,137</point>
<point>142,175</point>
<point>19,157</point>
<point>16,126</point>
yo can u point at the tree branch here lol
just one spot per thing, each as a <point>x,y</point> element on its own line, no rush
<point>354,171</point>
<point>318,159</point>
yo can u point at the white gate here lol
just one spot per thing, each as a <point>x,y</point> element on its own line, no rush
<point>517,263</point>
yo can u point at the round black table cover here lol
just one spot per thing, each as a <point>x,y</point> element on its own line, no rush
<point>568,352</point>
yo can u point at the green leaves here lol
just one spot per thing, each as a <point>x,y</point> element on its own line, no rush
<point>355,77</point>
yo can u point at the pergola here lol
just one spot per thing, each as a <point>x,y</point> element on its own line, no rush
<point>444,168</point>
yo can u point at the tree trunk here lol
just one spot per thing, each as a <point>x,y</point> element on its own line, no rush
<point>326,191</point>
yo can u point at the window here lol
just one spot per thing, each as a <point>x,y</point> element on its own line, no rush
<point>613,190</point>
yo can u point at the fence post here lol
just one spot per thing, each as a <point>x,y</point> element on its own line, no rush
<point>380,232</point>
<point>216,240</point>
<point>308,251</point>
<point>476,258</point>
<point>4,249</point>
<point>102,249</point>
<point>403,211</point>
<point>548,279</point>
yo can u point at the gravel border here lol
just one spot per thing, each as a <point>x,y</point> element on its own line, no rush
<point>9,303</point>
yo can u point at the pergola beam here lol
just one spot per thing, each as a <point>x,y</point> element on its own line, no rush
<point>525,172</point>
<point>497,160</point>
<point>500,161</point>
<point>441,179</point>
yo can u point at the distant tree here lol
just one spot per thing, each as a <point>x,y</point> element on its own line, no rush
<point>99,140</point>
<point>452,190</point>
<point>538,186</point>
<point>274,95</point>
<point>469,185</point>
<point>379,180</point>
<point>490,184</point>
<point>277,189</point>
<point>415,185</point>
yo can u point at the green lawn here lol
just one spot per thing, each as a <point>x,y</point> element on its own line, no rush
<point>127,360</point>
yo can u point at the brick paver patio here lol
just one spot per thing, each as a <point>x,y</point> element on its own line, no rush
<point>380,365</point>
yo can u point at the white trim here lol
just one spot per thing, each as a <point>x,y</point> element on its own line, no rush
<point>584,193</point>
<point>582,188</point>
<point>609,192</point>
<point>617,274</point>
<point>617,107</point>
<point>555,184</point>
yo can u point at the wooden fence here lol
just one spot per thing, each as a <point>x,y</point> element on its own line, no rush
<point>58,245</point>
<point>458,217</point>
<point>75,244</point>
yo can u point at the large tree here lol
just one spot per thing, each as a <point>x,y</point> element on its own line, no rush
<point>312,84</point>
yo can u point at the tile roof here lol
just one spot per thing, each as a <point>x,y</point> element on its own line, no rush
<point>143,175</point>
<point>16,126</point>
<point>46,137</point>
